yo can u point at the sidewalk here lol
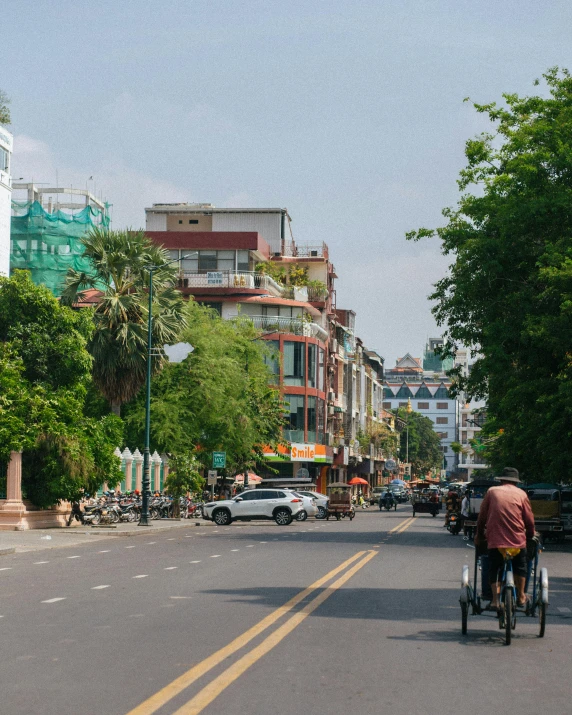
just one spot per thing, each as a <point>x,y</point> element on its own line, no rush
<point>38,539</point>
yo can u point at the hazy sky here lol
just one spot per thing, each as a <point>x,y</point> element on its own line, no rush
<point>348,113</point>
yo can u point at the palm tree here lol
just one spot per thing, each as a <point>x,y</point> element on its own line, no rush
<point>120,261</point>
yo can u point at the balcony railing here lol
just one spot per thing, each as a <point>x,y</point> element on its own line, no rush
<point>319,250</point>
<point>295,326</point>
<point>230,279</point>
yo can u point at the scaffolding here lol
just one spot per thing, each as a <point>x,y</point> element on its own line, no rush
<point>47,228</point>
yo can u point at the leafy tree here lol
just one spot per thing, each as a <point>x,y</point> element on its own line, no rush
<point>508,293</point>
<point>424,443</point>
<point>219,399</point>
<point>120,262</point>
<point>183,477</point>
<point>4,108</point>
<point>44,376</point>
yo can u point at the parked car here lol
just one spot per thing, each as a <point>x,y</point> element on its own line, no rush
<point>310,506</point>
<point>278,504</point>
<point>321,502</point>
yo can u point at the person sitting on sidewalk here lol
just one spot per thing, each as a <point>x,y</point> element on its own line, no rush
<point>507,516</point>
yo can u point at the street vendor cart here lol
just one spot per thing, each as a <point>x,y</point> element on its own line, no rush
<point>340,504</point>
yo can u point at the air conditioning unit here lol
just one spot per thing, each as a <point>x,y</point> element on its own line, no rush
<point>313,254</point>
<point>331,396</point>
<point>330,410</point>
<point>334,345</point>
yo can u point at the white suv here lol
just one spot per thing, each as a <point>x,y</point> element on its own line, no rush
<point>282,506</point>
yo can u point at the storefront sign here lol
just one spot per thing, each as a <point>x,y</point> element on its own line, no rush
<point>300,452</point>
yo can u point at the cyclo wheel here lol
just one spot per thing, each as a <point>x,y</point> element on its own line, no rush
<point>464,617</point>
<point>541,619</point>
<point>508,615</point>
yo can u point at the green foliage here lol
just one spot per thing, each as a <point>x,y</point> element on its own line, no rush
<point>287,273</point>
<point>44,378</point>
<point>184,475</point>
<point>508,294</point>
<point>120,262</point>
<point>4,108</point>
<point>424,444</point>
<point>218,399</point>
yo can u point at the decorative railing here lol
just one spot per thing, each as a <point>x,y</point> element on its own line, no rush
<point>230,279</point>
<point>295,326</point>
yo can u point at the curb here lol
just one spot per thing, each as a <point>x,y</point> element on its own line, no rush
<point>137,531</point>
<point>8,550</point>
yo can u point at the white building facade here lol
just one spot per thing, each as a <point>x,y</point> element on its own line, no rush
<point>6,140</point>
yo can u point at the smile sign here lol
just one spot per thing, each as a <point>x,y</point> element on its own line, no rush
<point>303,452</point>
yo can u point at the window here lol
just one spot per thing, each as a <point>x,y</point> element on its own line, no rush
<point>387,393</point>
<point>403,404</point>
<point>442,435</point>
<point>423,392</point>
<point>192,221</point>
<point>294,431</point>
<point>207,261</point>
<point>441,393</point>
<point>242,262</point>
<point>173,255</point>
<point>214,305</point>
<point>445,449</point>
<point>442,420</point>
<point>294,363</point>
<point>312,350</point>
<point>422,405</point>
<point>4,159</point>
<point>225,260</point>
<point>321,369</point>
<point>404,391</point>
<point>249,496</point>
<point>442,406</point>
<point>311,419</point>
<point>272,357</point>
<point>180,220</point>
<point>321,421</point>
<point>387,405</point>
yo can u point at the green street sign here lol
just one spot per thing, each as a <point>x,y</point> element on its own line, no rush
<point>219,460</point>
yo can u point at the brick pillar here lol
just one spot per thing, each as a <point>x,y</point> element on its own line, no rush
<point>14,478</point>
<point>156,461</point>
<point>138,458</point>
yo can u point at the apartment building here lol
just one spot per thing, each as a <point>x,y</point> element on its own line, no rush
<point>6,144</point>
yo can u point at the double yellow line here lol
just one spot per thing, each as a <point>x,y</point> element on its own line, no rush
<point>205,696</point>
<point>404,525</point>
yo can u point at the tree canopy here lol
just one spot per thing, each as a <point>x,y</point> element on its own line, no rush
<point>508,293</point>
<point>424,443</point>
<point>120,263</point>
<point>221,398</point>
<point>44,379</point>
<point>4,108</point>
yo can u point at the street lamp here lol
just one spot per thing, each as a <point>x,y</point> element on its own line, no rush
<point>146,486</point>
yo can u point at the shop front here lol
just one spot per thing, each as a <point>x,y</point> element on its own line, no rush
<point>299,461</point>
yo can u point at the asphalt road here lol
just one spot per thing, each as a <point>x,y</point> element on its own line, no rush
<point>319,617</point>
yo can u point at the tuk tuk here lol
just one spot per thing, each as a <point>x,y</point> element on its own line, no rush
<point>475,491</point>
<point>340,504</point>
<point>426,501</point>
<point>552,509</point>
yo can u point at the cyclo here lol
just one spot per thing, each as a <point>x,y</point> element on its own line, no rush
<point>472,598</point>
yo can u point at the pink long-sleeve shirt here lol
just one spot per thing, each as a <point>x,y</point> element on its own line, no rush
<point>508,517</point>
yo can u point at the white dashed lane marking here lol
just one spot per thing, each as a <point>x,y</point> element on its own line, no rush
<point>235,549</point>
<point>170,568</point>
<point>149,543</point>
<point>171,539</point>
<point>37,563</point>
<point>215,556</point>
<point>53,600</point>
<point>262,542</point>
<point>73,557</point>
<point>563,609</point>
<point>129,547</point>
<point>250,546</point>
<point>104,552</point>
<point>194,562</point>
<point>143,575</point>
<point>97,588</point>
<point>6,568</point>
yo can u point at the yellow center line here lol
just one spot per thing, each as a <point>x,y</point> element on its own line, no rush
<point>211,691</point>
<point>405,525</point>
<point>401,525</point>
<point>163,696</point>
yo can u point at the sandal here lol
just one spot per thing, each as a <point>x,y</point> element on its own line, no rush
<point>523,604</point>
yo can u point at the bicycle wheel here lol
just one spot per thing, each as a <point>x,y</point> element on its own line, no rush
<point>508,609</point>
<point>541,619</point>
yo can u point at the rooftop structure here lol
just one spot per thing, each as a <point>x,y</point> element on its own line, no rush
<point>5,196</point>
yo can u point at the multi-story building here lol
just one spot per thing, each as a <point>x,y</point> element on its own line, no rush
<point>240,262</point>
<point>5,199</point>
<point>426,384</point>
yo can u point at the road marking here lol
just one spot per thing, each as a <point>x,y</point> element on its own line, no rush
<point>262,542</point>
<point>195,562</point>
<point>173,539</point>
<point>250,546</point>
<point>211,691</point>
<point>179,598</point>
<point>170,568</point>
<point>215,556</point>
<point>129,547</point>
<point>149,543</point>
<point>37,563</point>
<point>104,552</point>
<point>235,549</point>
<point>97,588</point>
<point>143,575</point>
<point>6,568</point>
<point>73,557</point>
<point>563,609</point>
<point>167,693</point>
<point>53,600</point>
<point>402,526</point>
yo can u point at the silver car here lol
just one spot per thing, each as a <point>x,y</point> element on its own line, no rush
<point>321,502</point>
<point>281,505</point>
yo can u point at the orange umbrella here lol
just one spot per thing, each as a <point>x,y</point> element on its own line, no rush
<point>358,480</point>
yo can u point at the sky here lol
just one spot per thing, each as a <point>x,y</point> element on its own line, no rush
<point>350,114</point>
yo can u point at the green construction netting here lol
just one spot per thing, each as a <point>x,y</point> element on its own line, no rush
<point>433,362</point>
<point>47,244</point>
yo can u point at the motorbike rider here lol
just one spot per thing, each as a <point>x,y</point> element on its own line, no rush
<point>386,500</point>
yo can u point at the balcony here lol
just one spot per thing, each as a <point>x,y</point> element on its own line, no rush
<point>319,250</point>
<point>237,280</point>
<point>294,326</point>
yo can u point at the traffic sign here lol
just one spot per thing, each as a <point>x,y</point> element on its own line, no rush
<point>219,460</point>
<point>212,476</point>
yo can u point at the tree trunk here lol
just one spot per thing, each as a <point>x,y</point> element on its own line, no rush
<point>116,407</point>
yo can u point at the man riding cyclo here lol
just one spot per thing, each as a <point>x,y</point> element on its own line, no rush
<point>507,518</point>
